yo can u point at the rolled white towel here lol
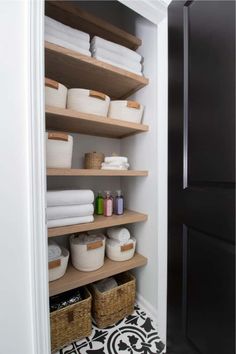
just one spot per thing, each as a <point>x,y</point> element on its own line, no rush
<point>116,48</point>
<point>78,42</point>
<point>85,239</point>
<point>65,44</point>
<point>70,221</point>
<point>70,197</point>
<point>114,243</point>
<point>120,159</point>
<point>120,234</point>
<point>69,211</point>
<point>54,251</point>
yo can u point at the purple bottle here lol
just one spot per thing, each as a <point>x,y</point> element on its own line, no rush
<point>119,203</point>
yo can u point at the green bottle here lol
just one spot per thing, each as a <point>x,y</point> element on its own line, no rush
<point>99,204</point>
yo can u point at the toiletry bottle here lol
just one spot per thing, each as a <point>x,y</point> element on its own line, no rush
<point>108,207</point>
<point>119,203</point>
<point>99,209</point>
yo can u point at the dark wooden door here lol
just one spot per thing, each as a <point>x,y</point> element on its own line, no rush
<point>201,235</point>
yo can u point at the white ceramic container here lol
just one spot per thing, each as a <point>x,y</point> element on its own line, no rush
<point>87,256</point>
<point>129,111</point>
<point>58,267</point>
<point>55,94</point>
<point>88,101</point>
<point>59,147</point>
<point>120,253</point>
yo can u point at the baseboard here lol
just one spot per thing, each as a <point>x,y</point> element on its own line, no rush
<point>147,307</point>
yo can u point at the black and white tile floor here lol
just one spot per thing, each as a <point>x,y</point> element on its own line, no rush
<point>134,334</point>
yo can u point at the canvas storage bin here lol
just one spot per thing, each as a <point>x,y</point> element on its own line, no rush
<point>121,253</point>
<point>57,268</point>
<point>55,94</point>
<point>59,147</point>
<point>130,111</point>
<point>111,306</point>
<point>88,101</point>
<point>87,255</point>
<point>71,323</point>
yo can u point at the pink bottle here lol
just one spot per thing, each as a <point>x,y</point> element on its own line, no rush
<point>108,204</point>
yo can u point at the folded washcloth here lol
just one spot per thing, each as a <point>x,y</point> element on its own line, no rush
<point>107,166</point>
<point>116,58</point>
<point>120,159</point>
<point>98,42</point>
<point>69,211</point>
<point>50,22</point>
<point>54,251</point>
<point>115,164</point>
<point>70,197</point>
<point>64,44</point>
<point>120,234</point>
<point>77,42</point>
<point>116,64</point>
<point>70,221</point>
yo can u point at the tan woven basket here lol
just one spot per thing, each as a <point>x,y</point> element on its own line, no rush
<point>93,160</point>
<point>71,323</point>
<point>111,306</point>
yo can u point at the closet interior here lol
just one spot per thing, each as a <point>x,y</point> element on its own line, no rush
<point>114,22</point>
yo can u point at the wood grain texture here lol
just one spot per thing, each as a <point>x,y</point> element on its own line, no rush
<point>75,278</point>
<point>68,120</point>
<point>100,222</point>
<point>88,172</point>
<point>73,70</point>
<point>69,13</point>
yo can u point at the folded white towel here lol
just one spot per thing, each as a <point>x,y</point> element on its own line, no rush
<point>120,234</point>
<point>116,48</point>
<point>70,197</point>
<point>117,65</point>
<point>69,211</point>
<point>107,166</point>
<point>78,42</point>
<point>70,221</point>
<point>115,164</point>
<point>65,44</point>
<point>50,22</point>
<point>120,159</point>
<point>116,58</point>
<point>54,251</point>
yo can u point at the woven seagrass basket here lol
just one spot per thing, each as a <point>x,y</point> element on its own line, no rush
<point>93,160</point>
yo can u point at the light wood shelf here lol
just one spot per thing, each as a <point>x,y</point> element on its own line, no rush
<point>69,13</point>
<point>68,120</point>
<point>76,70</point>
<point>88,172</point>
<point>100,222</point>
<point>74,278</point>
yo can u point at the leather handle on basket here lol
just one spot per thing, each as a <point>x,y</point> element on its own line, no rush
<point>54,264</point>
<point>51,83</point>
<point>58,136</point>
<point>97,94</point>
<point>133,104</point>
<point>70,316</point>
<point>128,247</point>
<point>94,245</point>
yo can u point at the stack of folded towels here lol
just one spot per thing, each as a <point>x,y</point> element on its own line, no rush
<point>118,236</point>
<point>69,207</point>
<point>115,163</point>
<point>116,54</point>
<point>67,37</point>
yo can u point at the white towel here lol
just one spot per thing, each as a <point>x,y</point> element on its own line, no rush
<point>64,44</point>
<point>54,251</point>
<point>78,42</point>
<point>120,167</point>
<point>117,65</point>
<point>116,48</point>
<point>70,221</point>
<point>50,22</point>
<point>120,159</point>
<point>115,164</point>
<point>120,234</point>
<point>117,58</point>
<point>85,239</point>
<point>70,197</point>
<point>115,243</point>
<point>69,211</point>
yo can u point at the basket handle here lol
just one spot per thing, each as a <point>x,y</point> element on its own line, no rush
<point>70,316</point>
<point>97,94</point>
<point>51,83</point>
<point>133,104</point>
<point>58,136</point>
<point>94,245</point>
<point>54,264</point>
<point>128,247</point>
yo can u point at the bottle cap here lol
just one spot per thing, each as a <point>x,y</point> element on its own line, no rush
<point>108,193</point>
<point>119,193</point>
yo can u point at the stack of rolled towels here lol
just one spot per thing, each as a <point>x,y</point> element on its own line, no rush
<point>67,37</point>
<point>69,207</point>
<point>115,163</point>
<point>116,54</point>
<point>119,236</point>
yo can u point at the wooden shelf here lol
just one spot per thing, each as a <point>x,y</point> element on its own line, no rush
<point>68,120</point>
<point>87,172</point>
<point>75,278</point>
<point>69,13</point>
<point>76,70</point>
<point>100,222</point>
